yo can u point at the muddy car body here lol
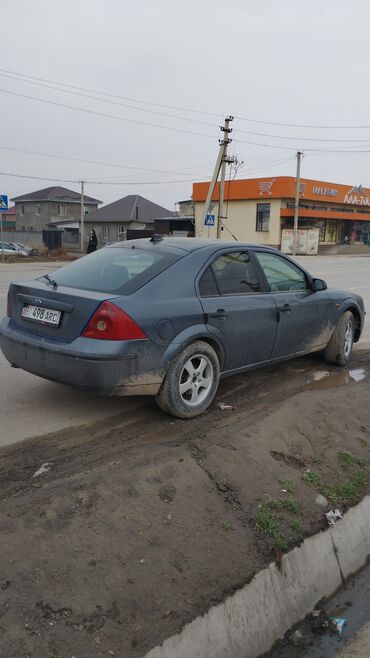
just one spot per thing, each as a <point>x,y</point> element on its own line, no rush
<point>168,317</point>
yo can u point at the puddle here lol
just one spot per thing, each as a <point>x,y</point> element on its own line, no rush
<point>324,380</point>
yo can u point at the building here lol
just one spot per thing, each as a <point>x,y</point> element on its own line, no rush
<point>111,222</point>
<point>259,209</point>
<point>8,217</point>
<point>36,210</point>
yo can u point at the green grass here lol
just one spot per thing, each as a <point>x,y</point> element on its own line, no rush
<point>347,491</point>
<point>289,486</point>
<point>348,459</point>
<point>296,526</point>
<point>311,478</point>
<point>268,516</point>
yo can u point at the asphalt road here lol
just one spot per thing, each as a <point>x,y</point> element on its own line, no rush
<point>30,406</point>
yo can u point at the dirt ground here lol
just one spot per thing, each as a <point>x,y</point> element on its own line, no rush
<point>133,528</point>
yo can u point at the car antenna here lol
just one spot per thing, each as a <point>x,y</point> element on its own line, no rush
<point>49,280</point>
<point>156,238</point>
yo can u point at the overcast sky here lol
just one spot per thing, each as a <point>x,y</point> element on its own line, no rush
<point>287,61</point>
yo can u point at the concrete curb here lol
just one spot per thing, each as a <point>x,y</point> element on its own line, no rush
<point>250,621</point>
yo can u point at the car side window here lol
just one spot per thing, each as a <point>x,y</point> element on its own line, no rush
<point>235,274</point>
<point>207,284</point>
<point>281,275</point>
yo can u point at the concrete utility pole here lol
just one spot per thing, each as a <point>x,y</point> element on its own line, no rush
<point>82,218</point>
<point>296,203</point>
<point>225,142</point>
<point>222,153</point>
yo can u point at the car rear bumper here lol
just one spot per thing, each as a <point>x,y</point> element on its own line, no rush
<point>107,375</point>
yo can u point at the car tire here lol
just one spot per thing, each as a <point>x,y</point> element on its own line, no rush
<point>191,381</point>
<point>339,347</point>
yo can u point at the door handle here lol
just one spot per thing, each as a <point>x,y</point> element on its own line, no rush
<point>282,309</point>
<point>220,314</point>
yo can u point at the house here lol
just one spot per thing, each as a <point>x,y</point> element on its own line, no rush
<point>111,222</point>
<point>36,210</point>
<point>8,218</point>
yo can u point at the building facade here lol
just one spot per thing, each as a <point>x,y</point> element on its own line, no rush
<point>36,210</point>
<point>259,209</point>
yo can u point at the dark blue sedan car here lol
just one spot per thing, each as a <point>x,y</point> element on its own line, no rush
<point>169,317</point>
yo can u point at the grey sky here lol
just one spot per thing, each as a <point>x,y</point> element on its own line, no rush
<point>286,61</point>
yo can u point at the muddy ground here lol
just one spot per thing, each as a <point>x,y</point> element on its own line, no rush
<point>136,526</point>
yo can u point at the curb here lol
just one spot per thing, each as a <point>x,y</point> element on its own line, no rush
<point>248,623</point>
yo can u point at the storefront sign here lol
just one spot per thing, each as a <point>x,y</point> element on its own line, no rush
<point>265,187</point>
<point>325,191</point>
<point>357,195</point>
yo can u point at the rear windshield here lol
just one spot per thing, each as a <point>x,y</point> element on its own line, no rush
<point>113,269</point>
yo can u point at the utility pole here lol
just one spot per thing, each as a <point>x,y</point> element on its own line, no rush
<point>82,218</point>
<point>296,203</point>
<point>222,153</point>
<point>225,142</point>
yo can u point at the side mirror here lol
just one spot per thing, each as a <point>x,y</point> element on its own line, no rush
<point>318,284</point>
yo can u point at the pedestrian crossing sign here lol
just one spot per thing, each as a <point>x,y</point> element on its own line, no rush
<point>209,220</point>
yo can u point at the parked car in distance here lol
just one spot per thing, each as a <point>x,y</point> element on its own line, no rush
<point>169,316</point>
<point>10,250</point>
<point>21,248</point>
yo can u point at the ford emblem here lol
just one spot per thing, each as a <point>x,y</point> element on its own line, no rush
<point>37,302</point>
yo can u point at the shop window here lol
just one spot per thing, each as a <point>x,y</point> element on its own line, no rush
<point>263,217</point>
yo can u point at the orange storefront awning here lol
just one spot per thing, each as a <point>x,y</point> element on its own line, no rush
<point>317,213</point>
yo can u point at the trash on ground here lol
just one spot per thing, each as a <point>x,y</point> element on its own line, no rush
<point>225,407</point>
<point>297,638</point>
<point>339,624</point>
<point>44,468</point>
<point>333,516</point>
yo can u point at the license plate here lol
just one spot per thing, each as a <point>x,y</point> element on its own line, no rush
<point>41,314</point>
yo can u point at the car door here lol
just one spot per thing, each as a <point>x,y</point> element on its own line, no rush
<point>238,309</point>
<point>304,323</point>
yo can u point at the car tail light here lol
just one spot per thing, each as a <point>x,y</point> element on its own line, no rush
<point>111,323</point>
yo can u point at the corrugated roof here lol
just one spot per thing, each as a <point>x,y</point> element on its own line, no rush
<point>130,208</point>
<point>56,193</point>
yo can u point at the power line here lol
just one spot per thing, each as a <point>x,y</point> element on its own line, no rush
<point>96,182</point>
<point>185,109</point>
<point>97,162</point>
<point>105,115</point>
<point>111,102</point>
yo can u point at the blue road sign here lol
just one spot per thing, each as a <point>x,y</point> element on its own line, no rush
<point>4,202</point>
<point>209,220</point>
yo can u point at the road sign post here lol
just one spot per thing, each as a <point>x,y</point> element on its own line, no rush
<point>3,208</point>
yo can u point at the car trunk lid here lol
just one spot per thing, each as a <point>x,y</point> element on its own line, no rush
<point>71,309</point>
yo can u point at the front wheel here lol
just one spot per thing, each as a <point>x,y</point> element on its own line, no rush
<point>191,381</point>
<point>339,347</point>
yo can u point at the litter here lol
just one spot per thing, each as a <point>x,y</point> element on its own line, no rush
<point>225,407</point>
<point>339,624</point>
<point>44,468</point>
<point>333,516</point>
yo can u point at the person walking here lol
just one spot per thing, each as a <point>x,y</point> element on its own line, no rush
<point>93,242</point>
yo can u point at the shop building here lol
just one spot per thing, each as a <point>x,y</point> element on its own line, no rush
<point>258,210</point>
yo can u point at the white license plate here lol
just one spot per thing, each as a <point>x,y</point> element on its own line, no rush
<point>41,314</point>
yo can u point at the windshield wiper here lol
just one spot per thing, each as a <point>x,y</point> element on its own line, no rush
<point>49,280</point>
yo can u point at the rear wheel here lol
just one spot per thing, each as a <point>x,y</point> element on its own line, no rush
<point>191,381</point>
<point>339,347</point>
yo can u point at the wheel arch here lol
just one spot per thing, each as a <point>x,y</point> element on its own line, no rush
<point>186,339</point>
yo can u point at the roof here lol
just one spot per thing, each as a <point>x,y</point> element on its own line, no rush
<point>131,208</point>
<point>190,244</point>
<point>56,193</point>
<point>175,218</point>
<point>283,187</point>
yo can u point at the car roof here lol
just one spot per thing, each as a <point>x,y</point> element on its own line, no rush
<point>187,244</point>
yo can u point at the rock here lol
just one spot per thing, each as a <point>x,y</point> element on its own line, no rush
<point>321,501</point>
<point>4,584</point>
